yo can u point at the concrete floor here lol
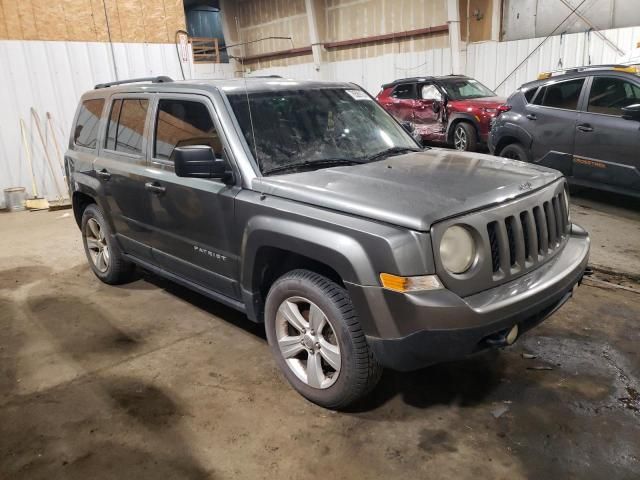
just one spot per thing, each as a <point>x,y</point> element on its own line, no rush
<point>151,381</point>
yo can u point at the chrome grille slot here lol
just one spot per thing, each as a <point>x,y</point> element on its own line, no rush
<point>492,228</point>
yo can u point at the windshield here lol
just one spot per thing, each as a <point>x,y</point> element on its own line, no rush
<point>466,88</point>
<point>316,128</point>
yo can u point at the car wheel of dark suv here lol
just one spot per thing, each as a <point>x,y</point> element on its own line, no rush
<point>465,138</point>
<point>515,151</point>
<point>316,338</point>
<point>104,255</point>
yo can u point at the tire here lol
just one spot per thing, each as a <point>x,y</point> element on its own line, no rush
<point>515,151</point>
<point>357,371</point>
<point>465,137</point>
<point>98,243</point>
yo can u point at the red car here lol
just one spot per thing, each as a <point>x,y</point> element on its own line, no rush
<point>454,110</point>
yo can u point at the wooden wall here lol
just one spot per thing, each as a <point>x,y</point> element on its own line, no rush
<point>151,21</point>
<point>479,27</point>
<point>340,20</point>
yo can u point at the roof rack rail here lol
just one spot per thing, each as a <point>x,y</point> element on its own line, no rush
<point>158,79</point>
<point>611,66</point>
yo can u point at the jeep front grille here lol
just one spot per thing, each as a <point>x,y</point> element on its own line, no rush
<point>513,238</point>
<point>528,236</point>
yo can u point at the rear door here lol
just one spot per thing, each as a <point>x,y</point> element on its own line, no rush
<point>192,218</point>
<point>402,102</point>
<point>552,119</point>
<point>607,145</point>
<point>120,168</point>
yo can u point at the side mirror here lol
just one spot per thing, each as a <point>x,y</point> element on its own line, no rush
<point>198,161</point>
<point>408,126</point>
<point>631,112</point>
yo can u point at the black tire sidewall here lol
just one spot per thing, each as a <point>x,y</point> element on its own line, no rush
<point>290,286</point>
<point>519,149</point>
<point>470,132</point>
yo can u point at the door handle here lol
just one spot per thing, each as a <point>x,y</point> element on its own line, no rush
<point>155,187</point>
<point>531,116</point>
<point>104,174</point>
<point>585,127</point>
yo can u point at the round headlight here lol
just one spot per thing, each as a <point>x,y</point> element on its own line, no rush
<point>457,249</point>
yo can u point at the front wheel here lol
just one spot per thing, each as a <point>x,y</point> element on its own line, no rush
<point>465,138</point>
<point>317,341</point>
<point>515,151</point>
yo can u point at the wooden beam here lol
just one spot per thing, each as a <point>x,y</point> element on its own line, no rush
<point>387,36</point>
<point>291,52</point>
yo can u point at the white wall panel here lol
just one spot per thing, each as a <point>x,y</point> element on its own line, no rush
<point>51,77</point>
<point>492,62</point>
<point>371,73</point>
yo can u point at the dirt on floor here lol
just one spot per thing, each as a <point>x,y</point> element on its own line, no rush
<point>149,380</point>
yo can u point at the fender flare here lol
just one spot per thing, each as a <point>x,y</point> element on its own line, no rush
<point>337,250</point>
<point>516,131</point>
<point>455,117</point>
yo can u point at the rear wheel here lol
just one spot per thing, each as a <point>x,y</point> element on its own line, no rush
<point>103,253</point>
<point>465,137</point>
<point>316,338</point>
<point>515,151</point>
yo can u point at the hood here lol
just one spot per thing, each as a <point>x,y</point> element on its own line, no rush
<point>413,190</point>
<point>487,102</point>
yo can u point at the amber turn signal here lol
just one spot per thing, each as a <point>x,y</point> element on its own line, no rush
<point>409,284</point>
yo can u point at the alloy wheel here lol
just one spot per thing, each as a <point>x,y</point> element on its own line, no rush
<point>97,245</point>
<point>308,342</point>
<point>460,139</point>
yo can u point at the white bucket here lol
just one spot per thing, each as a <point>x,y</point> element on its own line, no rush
<point>14,199</point>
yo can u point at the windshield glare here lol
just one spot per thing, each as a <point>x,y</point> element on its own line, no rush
<point>315,125</point>
<point>466,88</point>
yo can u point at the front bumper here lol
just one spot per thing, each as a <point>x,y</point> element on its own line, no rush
<point>410,331</point>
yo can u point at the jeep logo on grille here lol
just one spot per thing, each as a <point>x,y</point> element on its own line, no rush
<point>525,186</point>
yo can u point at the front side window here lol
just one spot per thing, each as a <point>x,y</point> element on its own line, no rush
<point>563,95</point>
<point>404,91</point>
<point>315,127</point>
<point>610,95</point>
<point>126,125</point>
<point>85,133</point>
<point>465,89</point>
<point>180,123</point>
<point>431,92</point>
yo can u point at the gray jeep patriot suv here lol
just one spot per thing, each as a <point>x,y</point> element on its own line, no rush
<point>309,208</point>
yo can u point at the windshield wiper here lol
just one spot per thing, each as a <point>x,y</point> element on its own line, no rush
<point>312,164</point>
<point>390,152</point>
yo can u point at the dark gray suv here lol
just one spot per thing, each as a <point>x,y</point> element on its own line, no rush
<point>584,122</point>
<point>309,208</point>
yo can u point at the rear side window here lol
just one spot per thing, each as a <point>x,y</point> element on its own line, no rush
<point>85,132</point>
<point>563,95</point>
<point>610,95</point>
<point>126,125</point>
<point>529,94</point>
<point>406,90</point>
<point>183,122</point>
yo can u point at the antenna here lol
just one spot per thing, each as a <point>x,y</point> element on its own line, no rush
<point>246,93</point>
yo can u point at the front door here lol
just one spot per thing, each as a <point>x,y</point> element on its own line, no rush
<point>552,119</point>
<point>607,145</point>
<point>428,113</point>
<point>120,168</point>
<point>192,218</point>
